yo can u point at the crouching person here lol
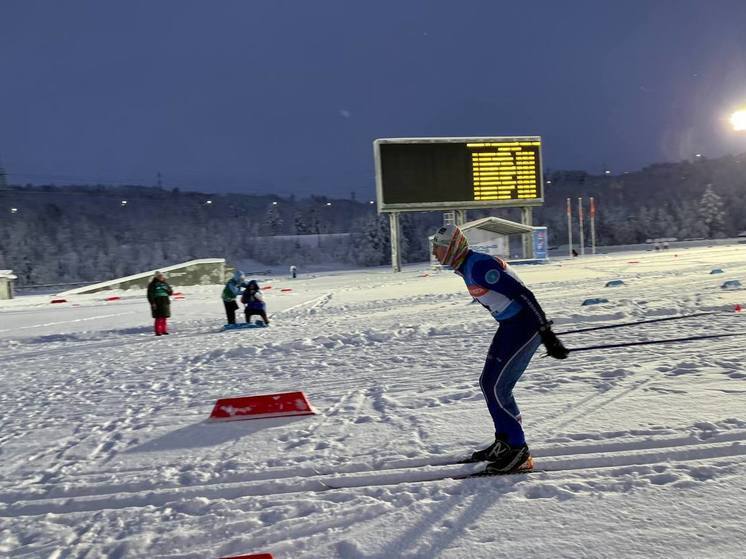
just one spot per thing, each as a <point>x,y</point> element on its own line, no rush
<point>254,304</point>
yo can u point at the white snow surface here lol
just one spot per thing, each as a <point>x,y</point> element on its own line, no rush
<point>105,450</point>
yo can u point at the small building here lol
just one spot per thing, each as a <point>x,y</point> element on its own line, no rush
<point>492,236</point>
<point>6,284</point>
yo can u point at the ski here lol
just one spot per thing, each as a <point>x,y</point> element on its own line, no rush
<point>416,475</point>
<point>490,474</point>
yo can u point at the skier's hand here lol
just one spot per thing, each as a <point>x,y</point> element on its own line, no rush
<point>554,346</point>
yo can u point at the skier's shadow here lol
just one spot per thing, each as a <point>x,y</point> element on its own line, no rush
<point>434,532</point>
<point>209,433</point>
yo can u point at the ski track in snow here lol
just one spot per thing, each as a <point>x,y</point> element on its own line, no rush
<point>104,447</point>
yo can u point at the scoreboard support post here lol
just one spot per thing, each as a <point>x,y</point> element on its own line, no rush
<point>395,252</point>
<point>527,218</point>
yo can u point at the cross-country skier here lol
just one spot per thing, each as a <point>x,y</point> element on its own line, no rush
<point>522,327</point>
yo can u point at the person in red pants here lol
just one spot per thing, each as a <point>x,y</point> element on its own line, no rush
<point>159,297</point>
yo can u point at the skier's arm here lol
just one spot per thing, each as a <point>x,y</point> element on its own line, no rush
<point>493,275</point>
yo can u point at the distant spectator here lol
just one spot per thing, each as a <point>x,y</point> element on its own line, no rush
<point>293,272</point>
<point>574,252</point>
<point>159,293</point>
<point>231,291</point>
<point>254,303</point>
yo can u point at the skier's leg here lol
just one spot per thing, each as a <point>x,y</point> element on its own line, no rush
<point>508,356</point>
<point>493,365</point>
<point>503,389</point>
<point>230,311</point>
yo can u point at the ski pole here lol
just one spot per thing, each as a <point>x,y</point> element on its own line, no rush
<point>651,342</point>
<point>636,322</point>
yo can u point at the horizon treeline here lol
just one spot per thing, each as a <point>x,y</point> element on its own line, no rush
<point>80,233</point>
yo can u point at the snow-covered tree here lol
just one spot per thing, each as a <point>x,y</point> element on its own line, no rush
<point>272,221</point>
<point>370,244</point>
<point>711,212</point>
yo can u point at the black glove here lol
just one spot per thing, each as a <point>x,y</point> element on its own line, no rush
<point>552,343</point>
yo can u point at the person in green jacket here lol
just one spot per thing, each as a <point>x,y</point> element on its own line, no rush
<point>159,297</point>
<point>231,291</point>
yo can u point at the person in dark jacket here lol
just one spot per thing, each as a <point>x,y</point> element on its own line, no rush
<point>159,297</point>
<point>254,304</point>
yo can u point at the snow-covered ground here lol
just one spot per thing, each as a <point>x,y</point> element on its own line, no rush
<point>105,450</point>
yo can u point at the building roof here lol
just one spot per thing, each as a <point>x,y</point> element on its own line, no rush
<point>497,225</point>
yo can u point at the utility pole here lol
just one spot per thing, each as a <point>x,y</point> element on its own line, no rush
<point>3,181</point>
<point>593,226</point>
<point>159,180</point>
<point>569,227</point>
<point>580,224</point>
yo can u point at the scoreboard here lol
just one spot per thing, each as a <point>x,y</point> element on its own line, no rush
<point>458,173</point>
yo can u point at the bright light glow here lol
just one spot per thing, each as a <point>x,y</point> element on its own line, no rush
<point>698,155</point>
<point>371,202</point>
<point>208,202</point>
<point>328,203</point>
<point>274,203</point>
<point>607,172</point>
<point>738,120</point>
<point>124,202</point>
<point>13,210</point>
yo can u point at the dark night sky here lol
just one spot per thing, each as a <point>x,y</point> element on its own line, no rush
<point>287,96</point>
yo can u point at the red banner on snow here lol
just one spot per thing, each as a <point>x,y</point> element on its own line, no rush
<point>253,556</point>
<point>258,407</point>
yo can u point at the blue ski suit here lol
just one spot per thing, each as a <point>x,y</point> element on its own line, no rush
<point>497,288</point>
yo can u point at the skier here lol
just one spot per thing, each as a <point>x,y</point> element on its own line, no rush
<point>252,299</point>
<point>522,327</point>
<point>232,290</point>
<point>160,303</point>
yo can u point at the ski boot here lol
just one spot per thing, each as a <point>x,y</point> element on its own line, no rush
<point>506,459</point>
<point>484,454</point>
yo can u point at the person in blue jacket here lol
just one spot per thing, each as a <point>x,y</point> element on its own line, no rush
<point>523,326</point>
<point>231,291</point>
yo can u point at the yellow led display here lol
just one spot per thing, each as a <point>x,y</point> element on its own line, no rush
<point>505,171</point>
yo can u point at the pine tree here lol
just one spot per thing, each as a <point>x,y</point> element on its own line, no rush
<point>711,212</point>
<point>370,245</point>
<point>272,221</point>
<point>299,223</point>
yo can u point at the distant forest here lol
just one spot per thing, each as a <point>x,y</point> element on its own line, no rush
<point>61,234</point>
